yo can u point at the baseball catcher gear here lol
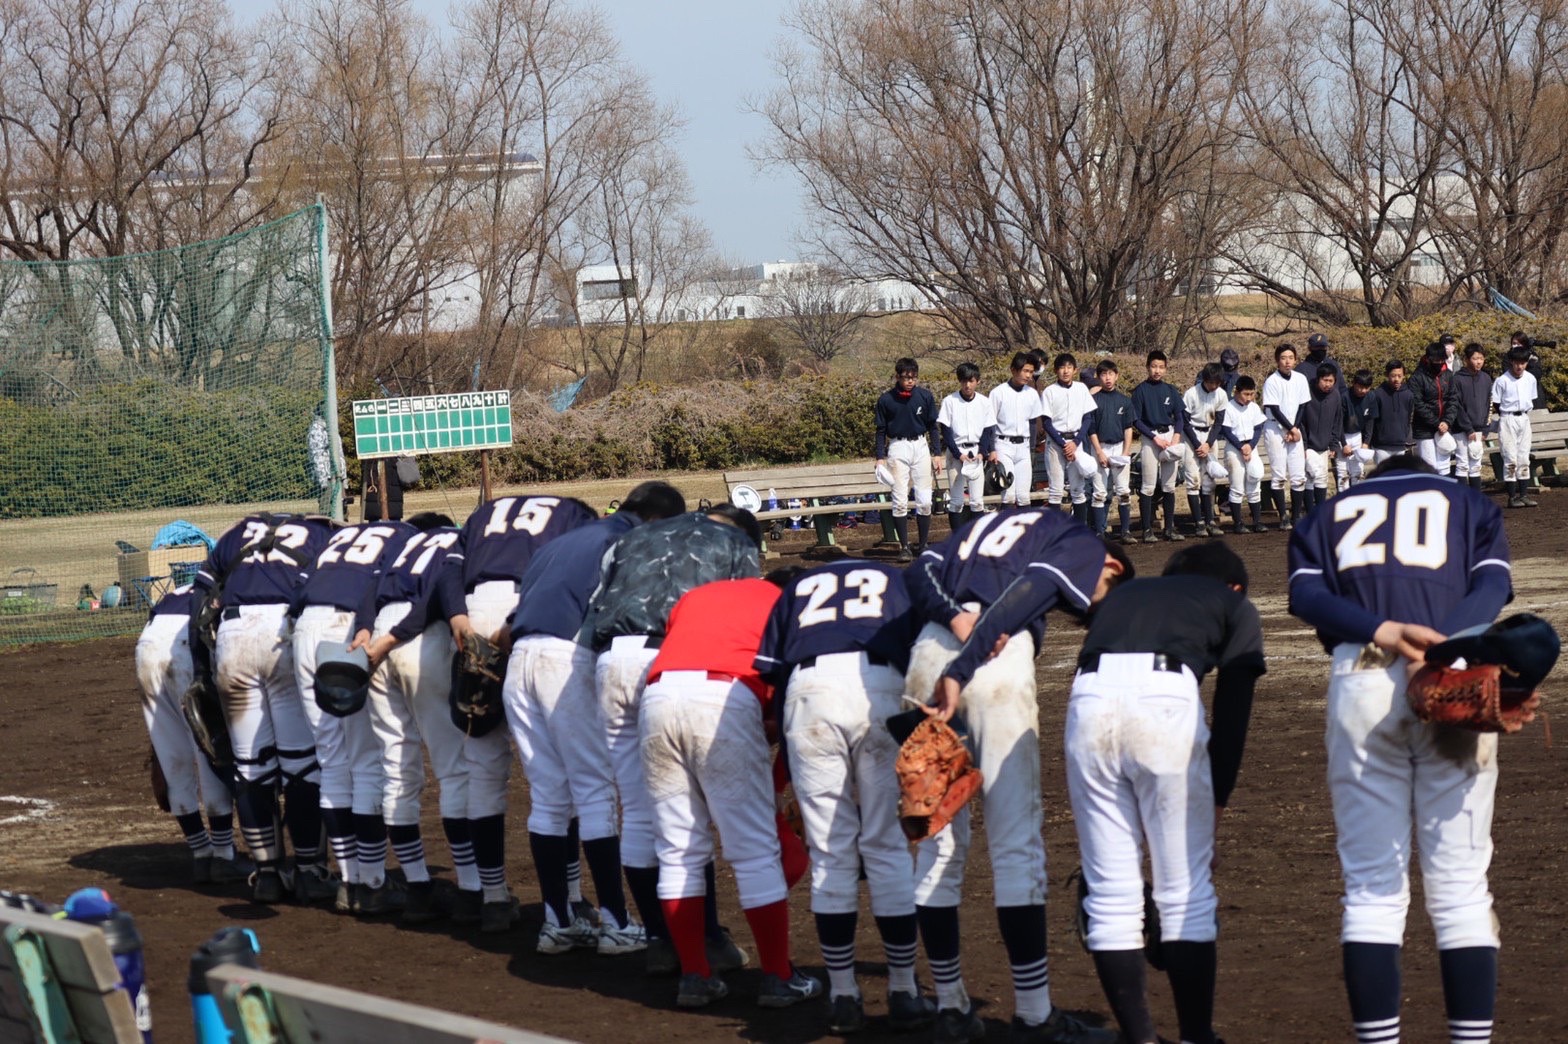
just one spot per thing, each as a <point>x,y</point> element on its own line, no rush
<point>998,479</point>
<point>936,776</point>
<point>1495,689</point>
<point>209,726</point>
<point>342,679</point>
<point>1151,920</point>
<point>477,672</point>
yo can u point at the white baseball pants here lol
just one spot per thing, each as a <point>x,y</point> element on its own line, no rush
<point>1428,451</point>
<point>1138,769</point>
<point>1318,467</point>
<point>347,754</point>
<point>1513,438</point>
<point>488,758</point>
<point>1004,722</point>
<point>841,759</point>
<point>164,669</point>
<point>620,675</point>
<point>1471,453</point>
<point>1019,461</point>
<point>553,711</point>
<point>910,462</point>
<point>409,706</point>
<point>1062,476</point>
<point>1287,460</point>
<point>705,756</point>
<point>260,694</point>
<point>1156,472</point>
<point>1113,479</point>
<point>1246,476</point>
<point>1390,773</point>
<point>958,486</point>
<point>1349,470</point>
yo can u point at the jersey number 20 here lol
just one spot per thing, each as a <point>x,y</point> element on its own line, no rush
<point>1420,537</point>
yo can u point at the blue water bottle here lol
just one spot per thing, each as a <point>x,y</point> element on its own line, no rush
<point>93,906</point>
<point>228,946</point>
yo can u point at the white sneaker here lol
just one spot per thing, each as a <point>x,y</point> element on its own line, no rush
<point>580,933</point>
<point>612,940</point>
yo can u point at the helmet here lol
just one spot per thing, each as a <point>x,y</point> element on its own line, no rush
<point>997,478</point>
<point>1086,464</point>
<point>342,679</point>
<point>1217,470</point>
<point>885,475</point>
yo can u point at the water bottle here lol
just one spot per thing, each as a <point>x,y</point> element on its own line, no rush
<point>773,499</point>
<point>795,520</point>
<point>229,946</point>
<point>93,906</point>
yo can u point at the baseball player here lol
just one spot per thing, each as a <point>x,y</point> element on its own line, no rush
<point>1143,766</point>
<point>1322,423</point>
<point>906,429</point>
<point>1018,408</point>
<point>1112,437</point>
<point>164,670</point>
<point>1070,411</point>
<point>643,575</point>
<point>1205,406</point>
<point>479,592</point>
<point>1436,408</point>
<point>1513,393</point>
<point>967,425</point>
<point>1162,422</point>
<point>251,577</point>
<point>1393,407</point>
<point>836,646</point>
<point>1473,390</point>
<point>705,755</point>
<point>1242,428</point>
<point>1382,573</point>
<point>410,646</point>
<point>1284,393</point>
<point>1360,425</point>
<point>553,711</point>
<point>348,757</point>
<point>998,578</point>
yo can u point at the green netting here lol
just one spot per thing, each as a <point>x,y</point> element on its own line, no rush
<point>191,384</point>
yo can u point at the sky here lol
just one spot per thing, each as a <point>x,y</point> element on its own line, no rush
<point>707,57</point>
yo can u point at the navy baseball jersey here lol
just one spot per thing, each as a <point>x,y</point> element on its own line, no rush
<point>262,559</point>
<point>552,597</point>
<point>848,606</point>
<point>178,602</point>
<point>1112,418</point>
<point>413,577</point>
<point>500,538</point>
<point>1405,546</point>
<point>350,566</point>
<point>1156,405</point>
<point>1022,561</point>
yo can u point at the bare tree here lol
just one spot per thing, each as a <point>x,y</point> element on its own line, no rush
<point>1043,170</point>
<point>818,308</point>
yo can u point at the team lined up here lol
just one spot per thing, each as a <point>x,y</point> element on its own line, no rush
<point>1313,422</point>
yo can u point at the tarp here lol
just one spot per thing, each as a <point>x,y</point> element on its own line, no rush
<point>179,533</point>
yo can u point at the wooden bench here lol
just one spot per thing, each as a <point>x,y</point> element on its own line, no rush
<point>816,484</point>
<point>1548,442</point>
<point>58,982</point>
<point>261,1006</point>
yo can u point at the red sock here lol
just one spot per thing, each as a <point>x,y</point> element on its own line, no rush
<point>684,918</point>
<point>770,929</point>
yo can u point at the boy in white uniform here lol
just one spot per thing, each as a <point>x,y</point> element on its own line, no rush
<point>1018,409</point>
<point>1205,403</point>
<point>1069,406</point>
<point>1284,393</point>
<point>1241,428</point>
<point>967,426</point>
<point>1513,393</point>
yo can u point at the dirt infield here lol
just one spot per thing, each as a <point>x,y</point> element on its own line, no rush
<point>75,810</point>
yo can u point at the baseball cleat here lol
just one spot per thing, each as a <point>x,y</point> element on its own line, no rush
<point>419,905</point>
<point>614,941</point>
<point>229,871</point>
<point>345,901</point>
<point>697,992</point>
<point>784,993</point>
<point>910,1011</point>
<point>846,1014</point>
<point>660,958</point>
<point>580,934</point>
<point>1150,538</point>
<point>266,886</point>
<point>724,954</point>
<point>957,1027</point>
<point>904,554</point>
<point>1061,1028</point>
<point>201,870</point>
<point>314,884</point>
<point>1173,536</point>
<point>498,915</point>
<point>374,902</point>
<point>467,907</point>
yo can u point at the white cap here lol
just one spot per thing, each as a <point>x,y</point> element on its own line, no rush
<point>1118,460</point>
<point>1364,454</point>
<point>1446,443</point>
<point>1217,470</point>
<point>1171,452</point>
<point>1085,463</point>
<point>885,475</point>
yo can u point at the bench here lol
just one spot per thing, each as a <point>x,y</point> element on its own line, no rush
<point>1548,441</point>
<point>814,485</point>
<point>260,1006</point>
<point>58,982</point>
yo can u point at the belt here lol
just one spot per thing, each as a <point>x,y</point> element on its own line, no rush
<point>1160,662</point>
<point>1015,439</point>
<point>1164,430</point>
<point>906,438</point>
<point>1515,413</point>
<point>872,658</point>
<point>967,445</point>
<point>232,613</point>
<point>1202,427</point>
<point>649,641</point>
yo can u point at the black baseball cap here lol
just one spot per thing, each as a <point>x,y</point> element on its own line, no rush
<point>1317,340</point>
<point>1447,338</point>
<point>1229,359</point>
<point>1435,352</point>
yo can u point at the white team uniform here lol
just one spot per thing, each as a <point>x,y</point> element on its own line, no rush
<point>164,670</point>
<point>488,758</point>
<point>1246,478</point>
<point>1016,410</point>
<point>1287,460</point>
<point>966,420</point>
<point>1066,406</point>
<point>347,754</point>
<point>1203,409</point>
<point>1513,397</point>
<point>620,674</point>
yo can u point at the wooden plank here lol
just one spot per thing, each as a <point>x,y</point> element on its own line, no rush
<point>311,1011</point>
<point>103,1018</point>
<point>79,954</point>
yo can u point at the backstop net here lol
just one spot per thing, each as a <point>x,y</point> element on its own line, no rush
<point>188,386</point>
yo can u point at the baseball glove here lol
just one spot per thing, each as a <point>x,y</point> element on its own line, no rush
<point>209,726</point>
<point>477,671</point>
<point>1495,689</point>
<point>936,778</point>
<point>1152,951</point>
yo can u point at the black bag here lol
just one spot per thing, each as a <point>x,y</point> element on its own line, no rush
<point>407,471</point>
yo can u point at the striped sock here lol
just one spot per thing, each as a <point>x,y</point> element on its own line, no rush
<point>574,866</point>
<point>836,935</point>
<point>196,837</point>
<point>1377,1031</point>
<point>462,848</point>
<point>1470,1031</point>
<point>257,805</point>
<point>1373,985</point>
<point>221,829</point>
<point>1469,992</point>
<point>1023,933</point>
<point>409,847</point>
<point>489,836</point>
<point>340,838</point>
<point>939,929</point>
<point>900,937</point>
<point>370,848</point>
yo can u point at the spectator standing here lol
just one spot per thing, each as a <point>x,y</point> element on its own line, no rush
<point>1473,390</point>
<point>906,434</point>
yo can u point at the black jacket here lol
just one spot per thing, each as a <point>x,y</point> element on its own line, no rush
<point>1322,421</point>
<point>1435,402</point>
<point>1474,392</point>
<point>1391,430</point>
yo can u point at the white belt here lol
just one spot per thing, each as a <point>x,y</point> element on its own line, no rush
<point>495,588</point>
<point>623,643</point>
